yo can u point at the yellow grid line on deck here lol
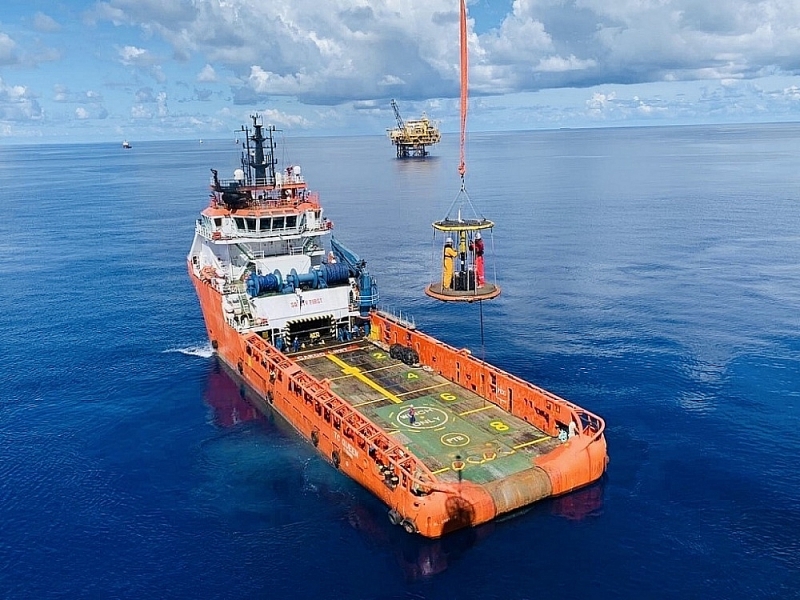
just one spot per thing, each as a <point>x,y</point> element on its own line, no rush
<point>425,389</point>
<point>440,471</point>
<point>542,439</point>
<point>367,402</point>
<point>469,412</point>
<point>356,372</point>
<point>370,371</point>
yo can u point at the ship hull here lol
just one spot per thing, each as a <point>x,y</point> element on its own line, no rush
<point>484,442</point>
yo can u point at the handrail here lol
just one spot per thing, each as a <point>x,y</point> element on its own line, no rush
<point>595,422</point>
<point>278,234</point>
<point>396,454</point>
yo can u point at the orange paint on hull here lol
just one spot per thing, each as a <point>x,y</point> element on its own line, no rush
<point>365,452</point>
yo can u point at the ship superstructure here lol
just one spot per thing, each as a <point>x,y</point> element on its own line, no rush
<point>444,439</point>
<point>260,245</point>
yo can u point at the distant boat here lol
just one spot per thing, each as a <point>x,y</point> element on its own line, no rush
<point>126,144</point>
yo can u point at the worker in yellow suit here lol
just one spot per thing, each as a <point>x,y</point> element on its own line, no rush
<point>447,265</point>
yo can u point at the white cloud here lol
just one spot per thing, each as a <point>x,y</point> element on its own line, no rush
<point>348,50</point>
<point>62,94</point>
<point>207,75</point>
<point>18,103</point>
<point>276,117</point>
<point>161,101</point>
<point>345,56</point>
<point>792,93</point>
<point>599,104</point>
<point>7,50</point>
<point>265,82</point>
<point>139,57</point>
<point>140,111</point>
<point>559,64</point>
<point>81,113</point>
<point>45,23</point>
<point>142,59</point>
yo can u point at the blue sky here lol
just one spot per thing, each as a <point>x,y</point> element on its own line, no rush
<point>82,71</point>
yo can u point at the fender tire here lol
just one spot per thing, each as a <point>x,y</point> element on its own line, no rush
<point>409,526</point>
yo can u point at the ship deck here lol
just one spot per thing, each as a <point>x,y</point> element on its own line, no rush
<point>455,433</point>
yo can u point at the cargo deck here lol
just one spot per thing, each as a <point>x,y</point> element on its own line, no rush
<point>456,433</point>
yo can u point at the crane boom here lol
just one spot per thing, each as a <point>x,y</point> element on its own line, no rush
<point>397,116</point>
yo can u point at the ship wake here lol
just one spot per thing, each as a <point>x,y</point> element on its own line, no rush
<point>205,351</point>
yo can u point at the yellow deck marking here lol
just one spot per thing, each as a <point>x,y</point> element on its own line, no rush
<point>518,446</point>
<point>425,388</point>
<point>440,471</point>
<point>356,372</point>
<point>384,368</point>
<point>393,432</point>
<point>367,402</point>
<point>339,377</point>
<point>469,412</point>
<point>370,371</point>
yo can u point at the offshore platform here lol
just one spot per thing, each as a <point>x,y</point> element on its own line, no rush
<point>412,137</point>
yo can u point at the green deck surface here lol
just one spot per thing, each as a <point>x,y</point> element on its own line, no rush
<point>455,430</point>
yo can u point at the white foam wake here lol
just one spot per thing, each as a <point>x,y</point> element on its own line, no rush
<point>205,351</point>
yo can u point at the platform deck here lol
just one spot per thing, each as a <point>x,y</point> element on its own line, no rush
<point>456,433</point>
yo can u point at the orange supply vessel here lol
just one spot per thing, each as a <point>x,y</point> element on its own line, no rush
<point>444,439</point>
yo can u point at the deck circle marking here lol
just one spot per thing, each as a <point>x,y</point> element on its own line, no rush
<point>455,440</point>
<point>426,417</point>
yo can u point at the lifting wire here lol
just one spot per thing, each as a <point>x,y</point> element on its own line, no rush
<point>483,344</point>
<point>464,195</point>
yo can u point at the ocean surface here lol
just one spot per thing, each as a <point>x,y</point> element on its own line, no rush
<point>651,276</point>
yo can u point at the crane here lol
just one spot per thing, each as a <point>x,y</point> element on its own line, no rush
<point>397,116</point>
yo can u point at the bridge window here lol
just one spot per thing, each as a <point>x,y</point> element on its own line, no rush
<point>291,222</point>
<point>265,224</point>
<point>251,224</point>
<point>239,223</point>
<point>277,223</point>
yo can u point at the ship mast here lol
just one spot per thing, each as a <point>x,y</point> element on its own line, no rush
<point>260,160</point>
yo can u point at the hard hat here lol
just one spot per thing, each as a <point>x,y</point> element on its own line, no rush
<point>449,241</point>
<point>478,235</point>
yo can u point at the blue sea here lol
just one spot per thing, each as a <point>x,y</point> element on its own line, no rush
<point>650,275</point>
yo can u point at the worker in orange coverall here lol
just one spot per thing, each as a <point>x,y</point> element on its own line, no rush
<point>477,248</point>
